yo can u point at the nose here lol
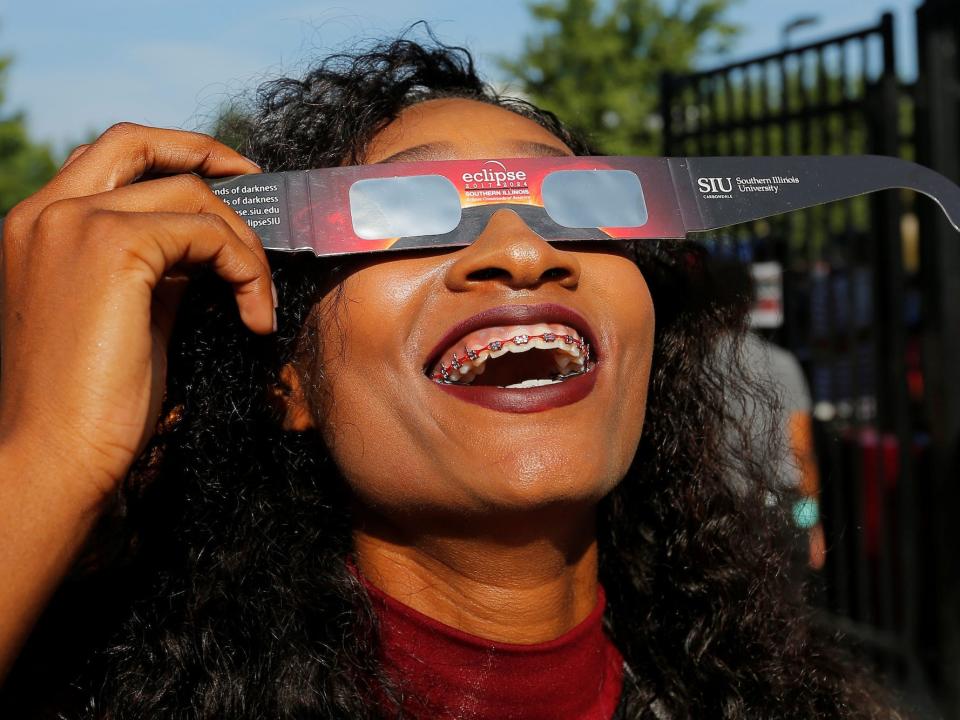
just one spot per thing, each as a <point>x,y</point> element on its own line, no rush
<point>510,253</point>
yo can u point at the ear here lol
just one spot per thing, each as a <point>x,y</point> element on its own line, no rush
<point>288,397</point>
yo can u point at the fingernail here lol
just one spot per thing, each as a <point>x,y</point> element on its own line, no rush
<point>273,289</point>
<point>274,320</point>
<point>257,165</point>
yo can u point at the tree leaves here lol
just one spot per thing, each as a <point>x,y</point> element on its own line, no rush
<point>25,166</point>
<point>598,65</point>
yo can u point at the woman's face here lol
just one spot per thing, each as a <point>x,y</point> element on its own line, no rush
<point>407,444</point>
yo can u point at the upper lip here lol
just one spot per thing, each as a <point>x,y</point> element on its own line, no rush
<point>514,315</point>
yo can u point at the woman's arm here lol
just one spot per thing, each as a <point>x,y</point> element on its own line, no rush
<point>93,269</point>
<point>802,445</point>
<point>42,528</point>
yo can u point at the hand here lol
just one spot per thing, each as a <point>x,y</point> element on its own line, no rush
<point>93,269</point>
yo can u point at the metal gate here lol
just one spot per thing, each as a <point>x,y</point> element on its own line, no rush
<point>864,312</point>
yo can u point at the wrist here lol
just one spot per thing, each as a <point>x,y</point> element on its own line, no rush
<point>806,513</point>
<point>45,521</point>
<point>27,467</point>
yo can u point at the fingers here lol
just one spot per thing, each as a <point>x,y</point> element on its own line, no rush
<point>154,243</point>
<point>127,152</point>
<point>95,182</point>
<point>74,154</point>
<point>179,194</point>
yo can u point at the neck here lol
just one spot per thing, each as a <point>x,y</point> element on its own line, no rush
<point>521,580</point>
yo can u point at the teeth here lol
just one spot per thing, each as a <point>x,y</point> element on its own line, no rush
<point>571,352</point>
<point>470,374</point>
<point>532,383</point>
<point>455,379</point>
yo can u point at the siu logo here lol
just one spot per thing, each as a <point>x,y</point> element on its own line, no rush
<point>715,186</point>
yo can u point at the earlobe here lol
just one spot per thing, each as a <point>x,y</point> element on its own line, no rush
<point>288,397</point>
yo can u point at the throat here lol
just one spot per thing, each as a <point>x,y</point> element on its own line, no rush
<point>512,369</point>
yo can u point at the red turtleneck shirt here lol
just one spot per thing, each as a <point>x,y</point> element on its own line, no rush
<point>446,674</point>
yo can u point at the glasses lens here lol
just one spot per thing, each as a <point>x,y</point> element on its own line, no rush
<point>594,199</point>
<point>396,207</point>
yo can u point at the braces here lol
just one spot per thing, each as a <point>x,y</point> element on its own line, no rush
<point>456,362</point>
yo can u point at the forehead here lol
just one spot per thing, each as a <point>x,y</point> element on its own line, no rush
<point>457,128</point>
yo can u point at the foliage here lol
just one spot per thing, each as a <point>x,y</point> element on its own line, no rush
<point>598,65</point>
<point>231,125</point>
<point>811,105</point>
<point>24,165</point>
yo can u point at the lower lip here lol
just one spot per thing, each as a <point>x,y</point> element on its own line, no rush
<point>525,400</point>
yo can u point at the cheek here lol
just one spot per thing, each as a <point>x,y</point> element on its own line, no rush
<point>630,328</point>
<point>369,357</point>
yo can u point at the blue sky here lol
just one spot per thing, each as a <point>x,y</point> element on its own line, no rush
<point>81,66</point>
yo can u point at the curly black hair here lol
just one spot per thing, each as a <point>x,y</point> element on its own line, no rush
<point>227,591</point>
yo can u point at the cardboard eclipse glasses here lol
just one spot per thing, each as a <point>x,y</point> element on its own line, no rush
<point>448,203</point>
<point>392,206</point>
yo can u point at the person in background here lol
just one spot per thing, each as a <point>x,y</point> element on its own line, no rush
<point>776,420</point>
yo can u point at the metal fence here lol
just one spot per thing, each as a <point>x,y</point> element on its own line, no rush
<point>868,285</point>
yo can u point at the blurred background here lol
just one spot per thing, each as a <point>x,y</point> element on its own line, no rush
<point>864,295</point>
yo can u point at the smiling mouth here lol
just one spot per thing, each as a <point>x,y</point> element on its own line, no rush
<point>516,357</point>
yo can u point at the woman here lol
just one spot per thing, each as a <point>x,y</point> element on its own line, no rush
<point>314,528</point>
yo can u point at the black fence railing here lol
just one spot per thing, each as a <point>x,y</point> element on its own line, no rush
<point>871,308</point>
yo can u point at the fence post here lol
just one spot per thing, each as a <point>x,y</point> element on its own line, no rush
<point>666,109</point>
<point>938,146</point>
<point>898,538</point>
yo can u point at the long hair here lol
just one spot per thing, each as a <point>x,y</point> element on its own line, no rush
<point>227,593</point>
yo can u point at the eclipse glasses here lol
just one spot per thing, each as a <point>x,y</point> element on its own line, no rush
<point>447,203</point>
<point>393,206</point>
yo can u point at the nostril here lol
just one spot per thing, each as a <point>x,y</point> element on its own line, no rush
<point>490,273</point>
<point>556,273</point>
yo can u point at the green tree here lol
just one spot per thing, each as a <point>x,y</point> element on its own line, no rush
<point>24,165</point>
<point>598,64</point>
<point>231,125</point>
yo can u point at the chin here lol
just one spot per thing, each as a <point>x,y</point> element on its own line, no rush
<point>545,477</point>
